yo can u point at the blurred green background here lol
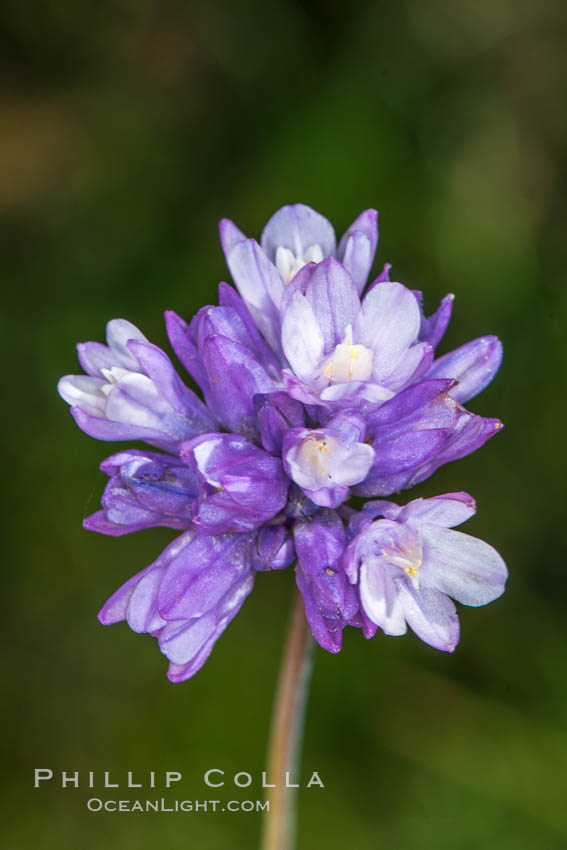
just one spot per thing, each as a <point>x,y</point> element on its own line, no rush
<point>127,129</point>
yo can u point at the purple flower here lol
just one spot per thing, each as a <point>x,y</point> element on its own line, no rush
<point>229,360</point>
<point>274,548</point>
<point>331,603</point>
<point>344,350</point>
<point>409,564</point>
<point>132,392</point>
<point>472,366</point>
<point>313,392</point>
<point>295,236</point>
<point>432,328</point>
<point>418,431</point>
<point>276,414</point>
<point>187,597</point>
<point>145,489</point>
<point>240,486</point>
<point>325,462</point>
<point>306,305</point>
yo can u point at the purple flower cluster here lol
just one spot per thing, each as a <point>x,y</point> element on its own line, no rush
<point>315,390</point>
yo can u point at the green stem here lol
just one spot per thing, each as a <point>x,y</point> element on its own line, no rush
<point>286,735</point>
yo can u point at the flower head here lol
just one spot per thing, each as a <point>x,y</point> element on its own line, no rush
<point>314,391</point>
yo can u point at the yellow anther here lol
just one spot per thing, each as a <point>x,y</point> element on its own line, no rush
<point>412,571</point>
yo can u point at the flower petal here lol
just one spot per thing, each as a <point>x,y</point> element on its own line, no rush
<point>240,485</point>
<point>104,429</point>
<point>85,391</point>
<point>302,338</point>
<point>179,334</point>
<point>355,465</point>
<point>228,297</point>
<point>118,333</point>
<point>380,599</point>
<point>143,615</point>
<point>230,235</point>
<point>94,356</point>
<point>276,413</point>
<point>324,623</point>
<point>468,569</point>
<point>274,548</point>
<point>473,365</point>
<point>115,608</point>
<point>433,328</point>
<point>188,407</point>
<point>334,301</point>
<point>448,510</point>
<point>413,365</point>
<point>234,378</point>
<point>431,615</point>
<point>383,277</point>
<point>408,402</point>
<point>358,246</point>
<point>260,286</point>
<point>388,323</point>
<point>191,641</point>
<point>202,573</point>
<point>405,451</point>
<point>297,227</point>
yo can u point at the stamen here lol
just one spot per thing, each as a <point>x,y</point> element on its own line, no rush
<point>288,264</point>
<point>349,362</point>
<point>413,569</point>
<point>317,453</point>
<point>409,561</point>
<point>112,376</point>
